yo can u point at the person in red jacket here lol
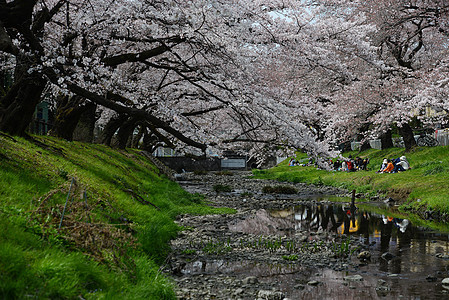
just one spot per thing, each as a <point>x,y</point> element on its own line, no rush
<point>351,167</point>
<point>388,168</point>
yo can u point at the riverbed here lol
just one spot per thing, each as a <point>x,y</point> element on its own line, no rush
<point>308,245</point>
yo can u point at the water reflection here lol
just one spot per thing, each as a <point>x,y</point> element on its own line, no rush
<point>398,247</point>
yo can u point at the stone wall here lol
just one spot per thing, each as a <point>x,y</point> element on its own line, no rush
<point>178,164</point>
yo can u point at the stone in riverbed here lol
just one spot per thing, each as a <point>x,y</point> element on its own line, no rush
<point>356,277</point>
<point>364,255</point>
<point>270,295</point>
<point>250,280</point>
<point>388,256</point>
<point>313,283</point>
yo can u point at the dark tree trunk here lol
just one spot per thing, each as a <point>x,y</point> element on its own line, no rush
<point>407,135</point>
<point>125,132</point>
<point>84,131</point>
<point>67,115</point>
<point>138,137</point>
<point>150,142</point>
<point>111,128</point>
<point>364,145</point>
<point>386,140</point>
<point>17,107</point>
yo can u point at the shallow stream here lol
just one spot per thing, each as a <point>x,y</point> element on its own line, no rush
<point>412,260</point>
<point>407,260</point>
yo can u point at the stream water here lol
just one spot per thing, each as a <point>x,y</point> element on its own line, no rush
<point>408,260</point>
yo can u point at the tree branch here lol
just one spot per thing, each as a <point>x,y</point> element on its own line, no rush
<point>134,112</point>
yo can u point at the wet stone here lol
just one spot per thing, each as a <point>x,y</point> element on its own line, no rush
<point>353,278</point>
<point>250,280</point>
<point>270,295</point>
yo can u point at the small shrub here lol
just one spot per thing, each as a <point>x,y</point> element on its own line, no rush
<point>63,174</point>
<point>189,251</point>
<point>297,179</point>
<point>259,172</point>
<point>222,188</point>
<point>246,194</point>
<point>318,181</point>
<point>291,257</point>
<point>279,189</point>
<point>217,248</point>
<point>225,172</point>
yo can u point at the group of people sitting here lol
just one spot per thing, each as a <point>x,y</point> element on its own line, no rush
<point>351,165</point>
<point>394,165</point>
<point>293,162</point>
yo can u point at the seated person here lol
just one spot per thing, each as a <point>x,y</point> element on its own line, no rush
<point>389,168</point>
<point>292,162</point>
<point>402,165</point>
<point>358,163</point>
<point>351,167</point>
<point>337,165</point>
<point>365,163</point>
<point>344,166</point>
<point>383,165</point>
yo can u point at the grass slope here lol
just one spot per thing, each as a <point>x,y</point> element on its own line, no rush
<point>114,235</point>
<point>424,187</point>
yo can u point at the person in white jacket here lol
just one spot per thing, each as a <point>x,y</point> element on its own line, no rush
<point>402,165</point>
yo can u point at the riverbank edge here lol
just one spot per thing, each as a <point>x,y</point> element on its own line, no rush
<point>86,220</point>
<point>421,191</point>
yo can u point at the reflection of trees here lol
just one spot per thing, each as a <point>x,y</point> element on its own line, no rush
<point>327,217</point>
<point>364,226</point>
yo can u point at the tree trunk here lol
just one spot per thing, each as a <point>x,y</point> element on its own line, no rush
<point>386,140</point>
<point>68,113</point>
<point>84,131</point>
<point>407,135</point>
<point>111,128</point>
<point>17,107</point>
<point>126,131</point>
<point>138,137</point>
<point>364,145</point>
<point>150,141</point>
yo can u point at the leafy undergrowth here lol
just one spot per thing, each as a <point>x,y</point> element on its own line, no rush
<point>425,187</point>
<point>85,221</point>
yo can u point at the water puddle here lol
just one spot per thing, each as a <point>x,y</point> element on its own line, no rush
<point>408,260</point>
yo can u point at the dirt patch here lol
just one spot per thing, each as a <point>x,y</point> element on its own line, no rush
<point>399,194</point>
<point>79,224</point>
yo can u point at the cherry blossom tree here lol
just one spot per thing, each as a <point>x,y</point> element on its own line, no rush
<point>254,76</point>
<point>412,40</point>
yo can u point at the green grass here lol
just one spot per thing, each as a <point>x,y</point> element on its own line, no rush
<point>424,187</point>
<point>112,241</point>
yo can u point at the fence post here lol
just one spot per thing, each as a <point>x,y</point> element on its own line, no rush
<point>67,200</point>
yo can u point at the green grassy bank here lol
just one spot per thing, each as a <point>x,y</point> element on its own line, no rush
<point>423,188</point>
<point>113,236</point>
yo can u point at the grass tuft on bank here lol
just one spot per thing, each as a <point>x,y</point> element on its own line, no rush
<point>424,187</point>
<point>108,241</point>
